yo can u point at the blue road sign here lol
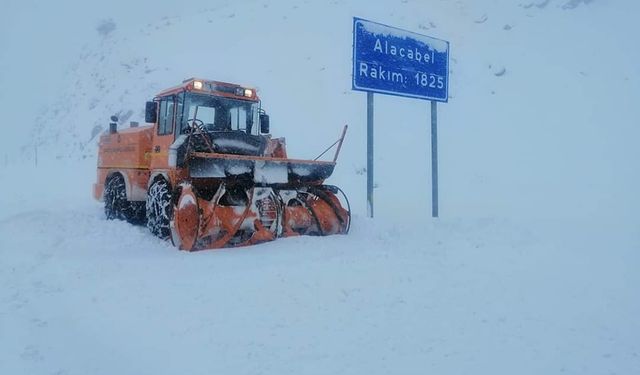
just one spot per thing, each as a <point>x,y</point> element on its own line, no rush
<point>389,60</point>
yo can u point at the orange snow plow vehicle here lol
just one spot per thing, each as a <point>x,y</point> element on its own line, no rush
<point>205,173</point>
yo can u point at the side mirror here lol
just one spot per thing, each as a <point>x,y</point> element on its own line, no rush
<point>264,123</point>
<point>151,112</point>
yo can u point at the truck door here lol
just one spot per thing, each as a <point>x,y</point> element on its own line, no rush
<point>164,136</point>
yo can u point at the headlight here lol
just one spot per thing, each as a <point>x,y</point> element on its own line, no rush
<point>248,93</point>
<point>197,85</point>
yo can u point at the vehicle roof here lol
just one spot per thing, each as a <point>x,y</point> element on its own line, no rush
<point>210,87</point>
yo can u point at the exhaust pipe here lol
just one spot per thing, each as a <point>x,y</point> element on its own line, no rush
<point>113,126</point>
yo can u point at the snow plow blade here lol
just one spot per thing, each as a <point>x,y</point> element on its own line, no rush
<point>235,216</point>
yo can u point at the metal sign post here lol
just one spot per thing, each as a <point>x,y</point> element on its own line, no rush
<point>434,159</point>
<point>393,61</point>
<point>370,154</point>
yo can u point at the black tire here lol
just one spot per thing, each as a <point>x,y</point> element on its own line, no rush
<point>137,213</point>
<point>116,205</point>
<point>159,208</point>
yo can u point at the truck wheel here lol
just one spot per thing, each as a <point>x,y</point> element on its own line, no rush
<point>137,213</point>
<point>159,208</point>
<point>115,198</point>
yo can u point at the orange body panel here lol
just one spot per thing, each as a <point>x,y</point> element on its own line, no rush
<point>128,152</point>
<point>127,148</point>
<point>159,156</point>
<point>276,148</point>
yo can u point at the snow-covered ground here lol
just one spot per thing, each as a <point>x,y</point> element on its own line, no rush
<point>532,268</point>
<point>82,295</point>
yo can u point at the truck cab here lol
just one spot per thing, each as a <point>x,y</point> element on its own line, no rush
<point>227,115</point>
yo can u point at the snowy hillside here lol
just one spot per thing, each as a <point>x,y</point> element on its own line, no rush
<point>532,268</point>
<point>555,131</point>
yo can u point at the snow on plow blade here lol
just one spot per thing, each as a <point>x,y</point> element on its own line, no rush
<point>260,170</point>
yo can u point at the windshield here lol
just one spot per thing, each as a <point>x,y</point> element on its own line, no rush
<point>219,113</point>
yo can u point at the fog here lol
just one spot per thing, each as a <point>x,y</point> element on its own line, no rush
<point>530,269</point>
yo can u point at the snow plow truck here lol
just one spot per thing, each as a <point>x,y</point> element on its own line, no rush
<point>205,172</point>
